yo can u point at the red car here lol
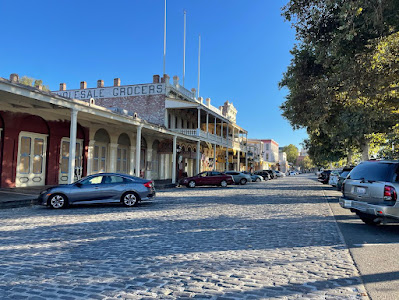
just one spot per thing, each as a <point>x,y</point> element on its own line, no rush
<point>208,178</point>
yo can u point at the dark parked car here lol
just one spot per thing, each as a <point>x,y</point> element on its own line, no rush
<point>99,188</point>
<point>342,176</point>
<point>208,178</point>
<point>370,190</point>
<point>272,174</point>
<point>264,173</point>
<point>324,176</point>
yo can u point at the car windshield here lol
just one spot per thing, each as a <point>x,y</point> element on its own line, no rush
<point>373,171</point>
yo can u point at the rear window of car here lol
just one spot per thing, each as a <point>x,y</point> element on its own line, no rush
<point>344,174</point>
<point>373,171</point>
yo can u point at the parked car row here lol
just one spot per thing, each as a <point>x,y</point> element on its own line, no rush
<point>370,190</point>
<point>130,190</point>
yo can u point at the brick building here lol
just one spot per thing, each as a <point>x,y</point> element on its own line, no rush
<point>157,130</point>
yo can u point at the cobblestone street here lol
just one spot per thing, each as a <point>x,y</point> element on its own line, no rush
<point>275,239</point>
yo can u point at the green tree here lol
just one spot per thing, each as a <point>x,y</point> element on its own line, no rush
<point>292,153</point>
<point>29,81</point>
<point>306,163</point>
<point>343,78</point>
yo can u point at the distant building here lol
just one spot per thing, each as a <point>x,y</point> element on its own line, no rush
<point>270,153</point>
<point>283,163</point>
<point>256,149</point>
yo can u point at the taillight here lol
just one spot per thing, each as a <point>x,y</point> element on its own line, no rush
<point>148,184</point>
<point>390,193</point>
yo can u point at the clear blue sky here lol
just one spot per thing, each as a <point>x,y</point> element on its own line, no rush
<point>244,50</point>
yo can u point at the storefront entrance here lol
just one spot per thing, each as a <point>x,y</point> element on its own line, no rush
<point>64,161</point>
<point>31,164</point>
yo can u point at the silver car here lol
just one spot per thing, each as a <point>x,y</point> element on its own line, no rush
<point>370,190</point>
<point>239,178</point>
<point>99,188</point>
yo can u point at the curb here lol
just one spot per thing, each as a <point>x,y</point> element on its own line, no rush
<point>362,291</point>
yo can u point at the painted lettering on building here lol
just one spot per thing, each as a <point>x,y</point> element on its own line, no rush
<point>114,92</point>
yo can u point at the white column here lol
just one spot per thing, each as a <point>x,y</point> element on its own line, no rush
<point>131,162</point>
<point>174,159</point>
<point>238,161</point>
<point>227,158</point>
<point>112,157</point>
<point>72,146</point>
<point>207,124</point>
<point>90,150</point>
<point>198,170</point>
<point>214,157</point>
<point>138,150</point>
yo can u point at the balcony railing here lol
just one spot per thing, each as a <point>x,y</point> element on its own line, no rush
<point>182,90</point>
<point>211,138</point>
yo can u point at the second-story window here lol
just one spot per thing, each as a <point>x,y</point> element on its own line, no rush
<point>169,121</point>
<point>176,122</point>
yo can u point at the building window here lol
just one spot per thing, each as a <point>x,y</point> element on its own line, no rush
<point>175,122</point>
<point>267,156</point>
<point>267,146</point>
<point>169,121</point>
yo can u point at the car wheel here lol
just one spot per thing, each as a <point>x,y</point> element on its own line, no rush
<point>130,199</point>
<point>191,184</point>
<point>223,183</point>
<point>58,201</point>
<point>243,181</point>
<point>257,180</point>
<point>368,219</point>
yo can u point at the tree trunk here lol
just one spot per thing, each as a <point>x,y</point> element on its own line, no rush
<point>365,150</point>
<point>349,158</point>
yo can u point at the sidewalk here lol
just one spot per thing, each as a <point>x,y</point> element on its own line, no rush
<point>19,197</point>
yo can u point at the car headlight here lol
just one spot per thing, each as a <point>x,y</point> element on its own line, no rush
<point>44,191</point>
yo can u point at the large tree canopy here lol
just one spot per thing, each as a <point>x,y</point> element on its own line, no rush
<point>343,78</point>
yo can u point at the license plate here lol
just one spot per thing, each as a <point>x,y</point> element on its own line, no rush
<point>360,190</point>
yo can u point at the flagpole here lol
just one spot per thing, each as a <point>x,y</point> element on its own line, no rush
<point>199,64</point>
<point>184,49</point>
<point>164,41</point>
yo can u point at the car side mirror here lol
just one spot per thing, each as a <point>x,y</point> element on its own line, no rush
<point>78,184</point>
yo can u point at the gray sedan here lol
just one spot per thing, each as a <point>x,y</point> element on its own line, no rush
<point>99,188</point>
<point>239,178</point>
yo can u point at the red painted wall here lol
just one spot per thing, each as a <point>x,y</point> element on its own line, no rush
<point>14,123</point>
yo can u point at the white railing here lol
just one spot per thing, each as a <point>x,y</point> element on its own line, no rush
<point>182,90</point>
<point>211,138</point>
<point>191,132</point>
